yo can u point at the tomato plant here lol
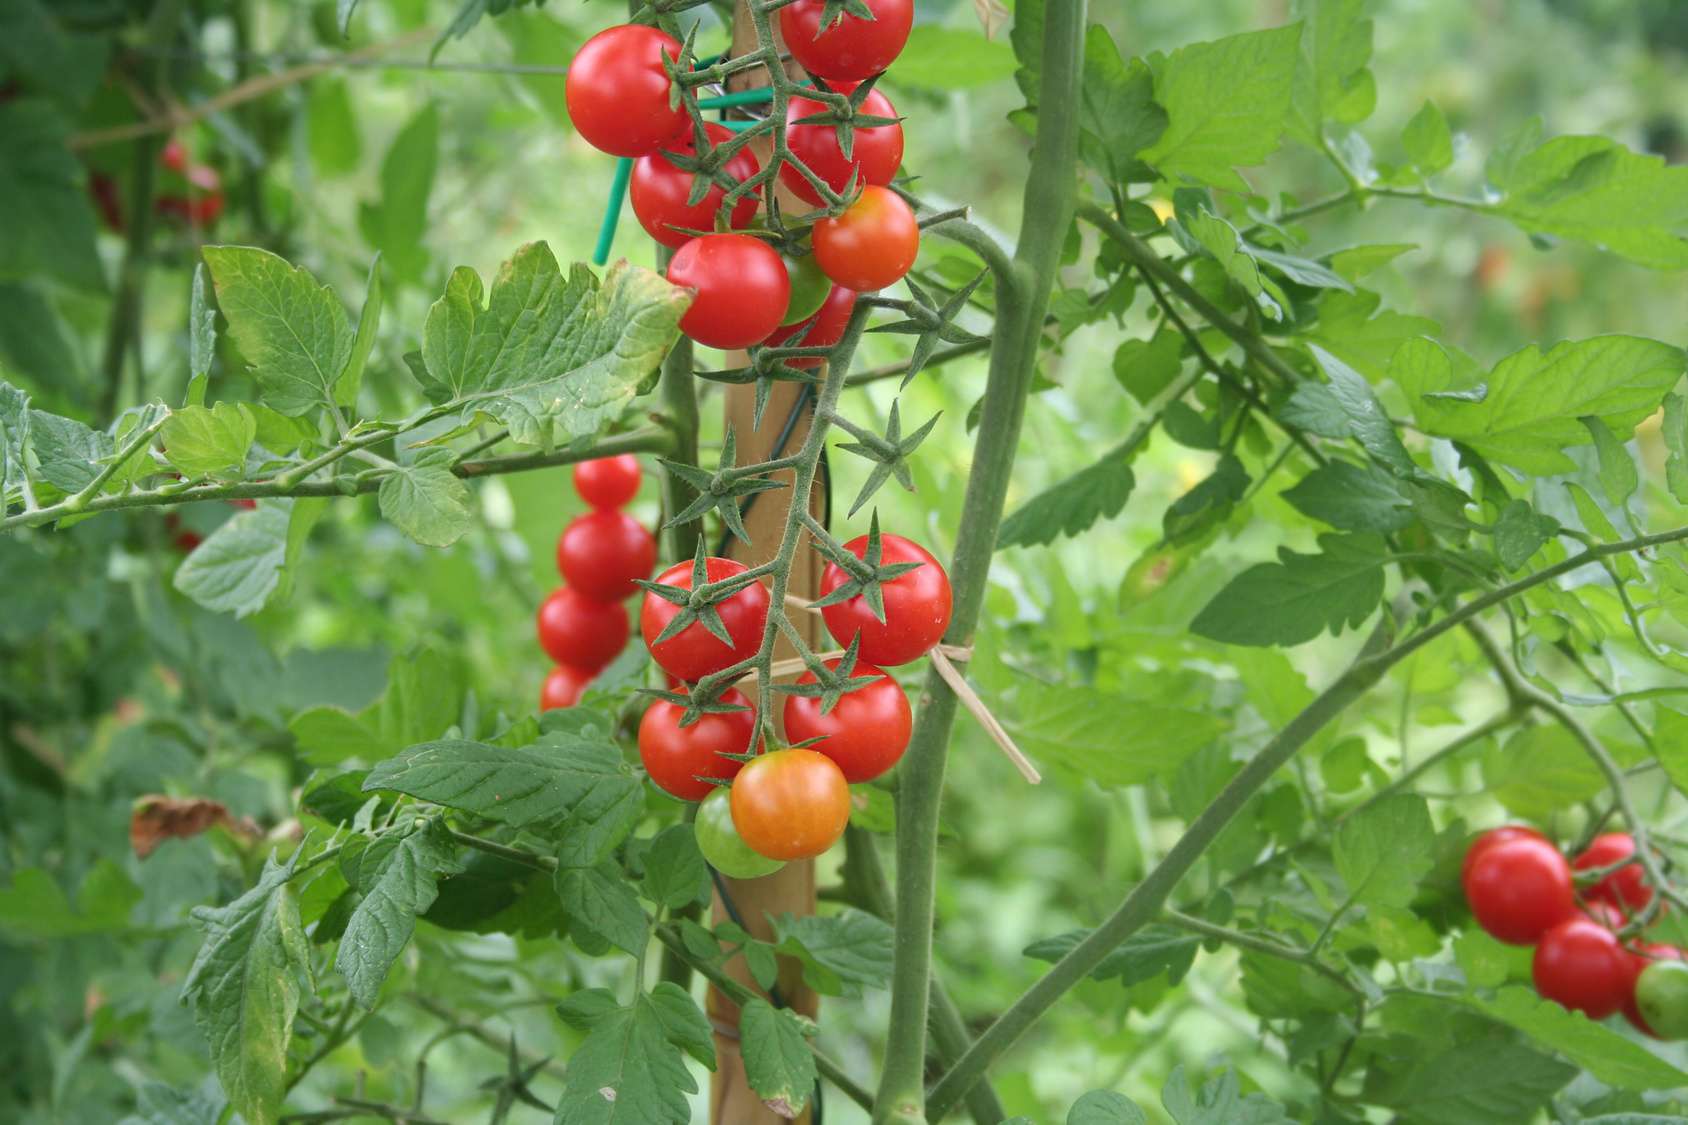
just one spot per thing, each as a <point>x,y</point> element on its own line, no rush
<point>619,93</point>
<point>661,191</point>
<point>790,804</point>
<point>1288,490</point>
<point>604,553</point>
<point>916,603</point>
<point>741,289</point>
<point>865,732</point>
<point>872,244</point>
<point>679,758</point>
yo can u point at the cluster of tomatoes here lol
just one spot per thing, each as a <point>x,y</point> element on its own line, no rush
<point>759,810</point>
<point>602,555</point>
<point>622,101</point>
<point>190,194</point>
<point>1523,891</point>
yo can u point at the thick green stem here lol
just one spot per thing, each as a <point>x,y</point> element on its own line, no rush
<point>678,390</point>
<point>866,887</point>
<point>1022,300</point>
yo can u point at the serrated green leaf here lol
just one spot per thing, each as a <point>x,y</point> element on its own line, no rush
<point>1383,851</point>
<point>212,441</point>
<point>327,736</point>
<point>1105,1107</point>
<point>426,500</point>
<point>158,1104</point>
<point>1527,409</point>
<point>1117,112</point>
<point>1595,190</point>
<point>1368,424</point>
<point>1154,951</point>
<point>683,1022</point>
<point>1070,507</point>
<point>292,330</point>
<point>1219,1102</point>
<point>1296,598</point>
<point>600,900</point>
<point>1475,1083</point>
<point>1429,144</point>
<point>675,871</point>
<point>1350,497</point>
<point>1618,475</point>
<point>1604,1053</point>
<point>1333,82</point>
<point>777,1059</point>
<point>46,223</point>
<point>844,952</point>
<point>539,784</point>
<point>239,565</point>
<point>244,988</point>
<point>547,352</point>
<point>1145,368</point>
<point>397,877</point>
<point>67,453</point>
<point>1520,531</point>
<point>1227,102</point>
<point>1078,728</point>
<point>627,1072</point>
<point>1540,771</point>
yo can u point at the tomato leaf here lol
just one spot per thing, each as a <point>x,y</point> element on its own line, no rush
<point>1604,1053</point>
<point>626,1071</point>
<point>209,441</point>
<point>1294,599</point>
<point>1382,852</point>
<point>1073,505</point>
<point>675,872</point>
<point>842,953</point>
<point>1349,497</point>
<point>777,1059</point>
<point>601,901</point>
<point>426,501</point>
<point>239,565</point>
<point>397,876</point>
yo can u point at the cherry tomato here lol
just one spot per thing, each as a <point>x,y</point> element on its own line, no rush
<point>578,630</point>
<point>676,757</point>
<point>1496,836</point>
<point>1643,956</point>
<point>608,482</point>
<point>695,652</point>
<point>1661,998</point>
<point>865,733</point>
<point>660,190</point>
<point>876,151</point>
<point>190,193</point>
<point>917,604</point>
<point>852,48</point>
<point>822,330</point>
<point>1519,889</point>
<point>1626,888</point>
<point>790,804</point>
<point>563,686</point>
<point>602,552</point>
<point>721,844</point>
<point>872,244</point>
<point>618,92</point>
<point>1580,964</point>
<point>741,289</point>
<point>809,288</point>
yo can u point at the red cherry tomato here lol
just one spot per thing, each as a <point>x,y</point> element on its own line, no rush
<point>1626,888</point>
<point>741,289</point>
<point>872,244</point>
<point>659,191</point>
<point>917,604</point>
<point>676,757</point>
<point>618,92</point>
<point>852,48</point>
<point>1518,889</point>
<point>790,804</point>
<point>608,482</point>
<point>190,193</point>
<point>865,733</point>
<point>822,330</point>
<point>563,687</point>
<point>1580,964</point>
<point>1642,954</point>
<point>1496,836</point>
<point>578,630</point>
<point>876,152</point>
<point>695,652</point>
<point>602,552</point>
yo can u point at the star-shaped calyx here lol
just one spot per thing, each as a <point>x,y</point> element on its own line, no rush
<point>720,490</point>
<point>931,323</point>
<point>889,454</point>
<point>844,113</point>
<point>512,1086</point>
<point>866,574</point>
<point>697,604</point>
<point>831,684</point>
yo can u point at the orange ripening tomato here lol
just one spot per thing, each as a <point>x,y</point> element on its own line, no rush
<point>790,804</point>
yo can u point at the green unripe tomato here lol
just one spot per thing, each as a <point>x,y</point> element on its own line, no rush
<point>721,844</point>
<point>809,287</point>
<point>1661,995</point>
